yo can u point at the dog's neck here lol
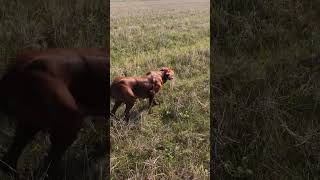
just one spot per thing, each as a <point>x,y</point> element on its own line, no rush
<point>164,77</point>
<point>162,74</point>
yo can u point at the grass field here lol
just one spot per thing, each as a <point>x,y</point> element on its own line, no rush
<point>48,24</point>
<point>266,89</point>
<point>173,141</point>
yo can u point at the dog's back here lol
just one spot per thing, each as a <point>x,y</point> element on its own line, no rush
<point>139,87</point>
<point>84,72</point>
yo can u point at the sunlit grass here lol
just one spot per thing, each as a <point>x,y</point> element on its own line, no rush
<point>173,141</point>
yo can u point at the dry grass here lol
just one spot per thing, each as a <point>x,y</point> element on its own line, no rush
<point>173,141</point>
<point>266,89</point>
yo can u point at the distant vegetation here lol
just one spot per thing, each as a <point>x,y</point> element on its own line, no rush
<point>55,23</point>
<point>266,89</point>
<point>173,141</point>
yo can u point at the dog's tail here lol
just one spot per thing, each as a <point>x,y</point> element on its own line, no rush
<point>113,88</point>
<point>115,83</point>
<point>111,91</point>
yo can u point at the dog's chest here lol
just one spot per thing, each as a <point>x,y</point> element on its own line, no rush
<point>142,89</point>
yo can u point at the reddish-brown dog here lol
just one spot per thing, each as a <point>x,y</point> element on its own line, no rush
<point>53,90</point>
<point>128,89</point>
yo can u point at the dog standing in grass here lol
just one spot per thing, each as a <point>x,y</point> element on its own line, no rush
<point>128,89</point>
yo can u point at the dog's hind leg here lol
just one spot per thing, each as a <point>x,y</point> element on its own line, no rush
<point>128,98</point>
<point>60,139</point>
<point>115,107</point>
<point>24,134</point>
<point>129,106</point>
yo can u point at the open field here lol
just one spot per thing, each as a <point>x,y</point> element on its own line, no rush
<point>266,89</point>
<point>173,141</point>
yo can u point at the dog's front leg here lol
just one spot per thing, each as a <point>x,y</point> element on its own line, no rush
<point>152,102</point>
<point>155,102</point>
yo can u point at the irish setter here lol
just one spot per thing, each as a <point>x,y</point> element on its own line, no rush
<point>128,89</point>
<point>53,90</point>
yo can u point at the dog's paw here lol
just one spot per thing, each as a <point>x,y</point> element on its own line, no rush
<point>155,103</point>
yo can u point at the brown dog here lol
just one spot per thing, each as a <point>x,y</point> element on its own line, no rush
<point>128,89</point>
<point>53,90</point>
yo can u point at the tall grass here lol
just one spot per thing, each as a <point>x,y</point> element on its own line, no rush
<point>173,141</point>
<point>266,89</point>
<point>48,24</point>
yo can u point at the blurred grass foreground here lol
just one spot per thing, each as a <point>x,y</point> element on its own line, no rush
<point>266,89</point>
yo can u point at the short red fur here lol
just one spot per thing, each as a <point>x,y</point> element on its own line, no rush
<point>53,90</point>
<point>128,89</point>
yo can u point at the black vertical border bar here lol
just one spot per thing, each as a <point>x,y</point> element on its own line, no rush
<point>211,97</point>
<point>108,168</point>
<point>213,138</point>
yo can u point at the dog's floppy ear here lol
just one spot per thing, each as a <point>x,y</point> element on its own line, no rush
<point>168,73</point>
<point>165,69</point>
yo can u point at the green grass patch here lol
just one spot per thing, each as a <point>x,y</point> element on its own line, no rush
<point>173,141</point>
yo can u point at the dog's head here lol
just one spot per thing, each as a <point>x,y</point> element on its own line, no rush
<point>167,73</point>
